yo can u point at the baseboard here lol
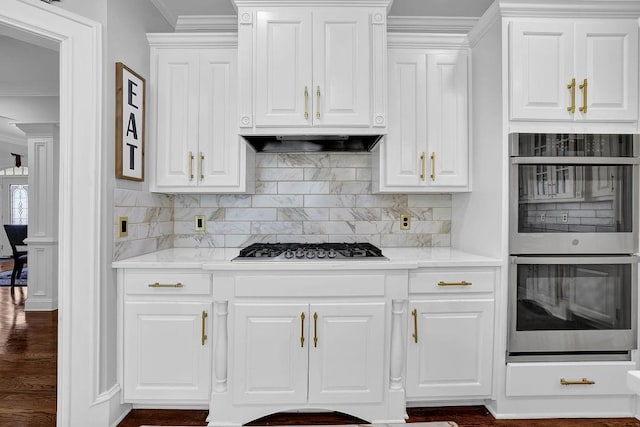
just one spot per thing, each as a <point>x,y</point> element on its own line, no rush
<point>116,410</point>
<point>35,304</point>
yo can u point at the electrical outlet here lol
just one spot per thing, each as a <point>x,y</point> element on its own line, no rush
<point>542,217</point>
<point>564,217</point>
<point>405,221</point>
<point>123,226</point>
<point>201,223</point>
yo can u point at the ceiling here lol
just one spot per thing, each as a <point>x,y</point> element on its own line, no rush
<point>29,89</point>
<point>171,9</point>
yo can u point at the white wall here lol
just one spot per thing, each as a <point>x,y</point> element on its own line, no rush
<point>478,220</point>
<point>126,26</point>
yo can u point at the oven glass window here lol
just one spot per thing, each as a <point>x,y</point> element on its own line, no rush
<point>573,297</point>
<point>574,145</point>
<point>575,198</point>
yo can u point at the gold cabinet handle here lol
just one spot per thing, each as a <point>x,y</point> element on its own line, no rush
<point>462,283</point>
<point>201,166</point>
<point>583,86</point>
<point>423,172</point>
<point>204,327</point>
<point>433,166</point>
<point>190,166</point>
<point>315,329</point>
<point>302,316</point>
<point>306,103</point>
<point>318,103</point>
<point>414,313</point>
<point>166,285</point>
<point>584,381</point>
<point>572,87</point>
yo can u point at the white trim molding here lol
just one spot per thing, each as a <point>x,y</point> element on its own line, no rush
<point>430,24</point>
<point>190,40</point>
<point>427,41</point>
<point>79,230</point>
<point>207,23</point>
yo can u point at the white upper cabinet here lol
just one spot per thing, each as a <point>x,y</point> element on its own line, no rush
<point>426,148</point>
<point>574,70</point>
<point>193,116</point>
<point>319,69</point>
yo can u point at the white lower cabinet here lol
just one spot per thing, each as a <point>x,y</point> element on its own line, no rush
<point>450,334</point>
<point>166,326</point>
<point>317,353</point>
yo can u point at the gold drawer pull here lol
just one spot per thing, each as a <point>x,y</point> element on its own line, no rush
<point>414,313</point>
<point>302,316</point>
<point>584,381</point>
<point>203,338</point>
<point>423,171</point>
<point>166,285</point>
<point>190,166</point>
<point>583,86</point>
<point>306,103</point>
<point>433,166</point>
<point>317,103</point>
<point>463,283</point>
<point>572,87</point>
<point>315,329</point>
<point>201,166</point>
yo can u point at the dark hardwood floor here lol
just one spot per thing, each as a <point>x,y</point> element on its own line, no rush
<point>28,354</point>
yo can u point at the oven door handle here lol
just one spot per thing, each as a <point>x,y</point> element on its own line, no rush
<point>625,259</point>
<point>575,161</point>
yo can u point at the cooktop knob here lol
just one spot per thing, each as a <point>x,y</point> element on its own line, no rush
<point>332,253</point>
<point>288,254</point>
<point>311,254</point>
<point>299,253</point>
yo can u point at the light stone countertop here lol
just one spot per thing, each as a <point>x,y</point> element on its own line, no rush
<point>219,259</point>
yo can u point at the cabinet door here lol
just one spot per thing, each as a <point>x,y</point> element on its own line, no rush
<point>406,140</point>
<point>540,68</point>
<point>165,352</point>
<point>347,359</point>
<point>219,146</point>
<point>453,353</point>
<point>283,69</point>
<point>341,67</point>
<point>177,122</point>
<point>607,56</point>
<point>271,362</point>
<point>447,117</point>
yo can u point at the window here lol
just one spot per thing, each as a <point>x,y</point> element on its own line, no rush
<point>19,203</point>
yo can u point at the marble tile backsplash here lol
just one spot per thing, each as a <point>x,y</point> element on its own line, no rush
<point>316,197</point>
<point>150,222</point>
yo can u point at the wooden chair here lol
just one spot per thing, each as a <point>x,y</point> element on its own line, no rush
<point>16,233</point>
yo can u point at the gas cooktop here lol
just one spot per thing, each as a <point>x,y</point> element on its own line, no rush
<point>310,252</point>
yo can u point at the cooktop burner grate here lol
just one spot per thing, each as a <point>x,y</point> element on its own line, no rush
<point>309,252</point>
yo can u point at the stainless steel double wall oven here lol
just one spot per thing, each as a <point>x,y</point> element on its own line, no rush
<point>573,241</point>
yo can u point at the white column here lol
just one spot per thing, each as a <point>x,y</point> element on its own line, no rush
<point>42,240</point>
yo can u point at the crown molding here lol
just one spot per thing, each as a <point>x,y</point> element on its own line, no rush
<point>570,8</point>
<point>427,40</point>
<point>316,3</point>
<point>166,13</point>
<point>19,92</point>
<point>192,39</point>
<point>487,20</point>
<point>430,24</point>
<point>207,23</point>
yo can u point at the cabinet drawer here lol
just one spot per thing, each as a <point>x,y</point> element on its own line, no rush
<point>545,379</point>
<point>166,283</point>
<point>451,281</point>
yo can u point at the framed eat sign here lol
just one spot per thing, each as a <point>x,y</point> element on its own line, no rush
<point>130,125</point>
